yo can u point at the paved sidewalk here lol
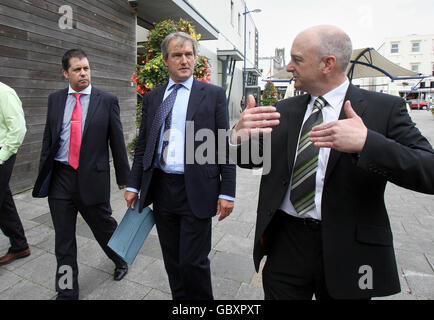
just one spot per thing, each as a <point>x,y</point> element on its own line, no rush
<point>233,274</point>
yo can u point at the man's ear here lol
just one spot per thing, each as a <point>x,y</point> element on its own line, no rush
<point>65,74</point>
<point>329,64</point>
<point>165,62</point>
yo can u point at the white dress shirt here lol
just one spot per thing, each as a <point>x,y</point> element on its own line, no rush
<point>330,112</point>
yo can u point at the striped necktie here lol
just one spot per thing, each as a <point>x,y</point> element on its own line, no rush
<point>163,112</point>
<point>302,194</point>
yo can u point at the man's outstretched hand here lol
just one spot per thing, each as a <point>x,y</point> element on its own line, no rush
<point>347,135</point>
<point>254,120</point>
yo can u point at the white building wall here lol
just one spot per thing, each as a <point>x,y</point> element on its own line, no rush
<point>230,24</point>
<point>405,57</point>
<point>399,50</point>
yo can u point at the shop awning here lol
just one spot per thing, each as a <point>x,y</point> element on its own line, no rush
<point>368,63</point>
<point>150,12</point>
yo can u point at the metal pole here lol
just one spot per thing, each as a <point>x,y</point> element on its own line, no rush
<point>245,58</point>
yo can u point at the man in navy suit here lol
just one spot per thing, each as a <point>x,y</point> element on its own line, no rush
<point>74,171</point>
<point>185,193</point>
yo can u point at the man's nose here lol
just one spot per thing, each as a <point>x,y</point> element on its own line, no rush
<point>184,59</point>
<point>289,67</point>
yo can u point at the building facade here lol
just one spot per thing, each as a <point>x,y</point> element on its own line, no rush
<point>414,52</point>
<point>223,39</point>
<point>34,35</point>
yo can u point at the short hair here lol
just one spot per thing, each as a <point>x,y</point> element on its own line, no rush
<point>335,43</point>
<point>73,53</point>
<point>179,36</point>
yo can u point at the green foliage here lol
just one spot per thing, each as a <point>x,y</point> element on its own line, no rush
<point>270,95</point>
<point>151,72</point>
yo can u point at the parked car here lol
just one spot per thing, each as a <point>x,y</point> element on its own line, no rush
<point>418,104</point>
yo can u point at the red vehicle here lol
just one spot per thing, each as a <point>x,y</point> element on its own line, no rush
<point>418,104</point>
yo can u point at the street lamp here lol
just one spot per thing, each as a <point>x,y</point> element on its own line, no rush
<point>245,13</point>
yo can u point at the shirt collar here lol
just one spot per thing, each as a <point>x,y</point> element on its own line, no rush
<point>85,91</point>
<point>336,96</point>
<point>186,84</point>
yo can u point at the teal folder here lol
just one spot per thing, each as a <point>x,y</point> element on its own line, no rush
<point>130,234</point>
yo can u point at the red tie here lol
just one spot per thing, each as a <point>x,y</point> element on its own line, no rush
<point>75,135</point>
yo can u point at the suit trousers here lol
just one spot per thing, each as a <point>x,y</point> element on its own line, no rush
<point>185,239</point>
<point>294,267</point>
<point>10,222</point>
<point>65,203</point>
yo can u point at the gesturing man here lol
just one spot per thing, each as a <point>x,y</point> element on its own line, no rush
<point>322,220</point>
<point>74,172</point>
<point>185,194</point>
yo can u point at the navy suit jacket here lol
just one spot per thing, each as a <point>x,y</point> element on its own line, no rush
<point>207,108</point>
<point>102,128</point>
<point>355,226</point>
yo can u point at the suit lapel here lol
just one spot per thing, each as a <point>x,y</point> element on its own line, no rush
<point>93,106</point>
<point>154,103</point>
<point>196,95</point>
<point>353,94</point>
<point>60,105</point>
<point>295,120</point>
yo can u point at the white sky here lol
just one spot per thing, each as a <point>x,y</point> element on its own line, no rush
<point>367,22</point>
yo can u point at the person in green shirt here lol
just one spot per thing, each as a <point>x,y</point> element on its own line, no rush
<point>12,132</point>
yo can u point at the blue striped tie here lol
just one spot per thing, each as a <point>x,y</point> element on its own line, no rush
<point>163,114</point>
<point>302,194</point>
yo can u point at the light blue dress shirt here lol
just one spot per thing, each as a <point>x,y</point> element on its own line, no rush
<point>63,153</point>
<point>176,135</point>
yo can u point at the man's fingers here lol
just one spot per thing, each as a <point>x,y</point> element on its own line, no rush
<point>130,198</point>
<point>260,110</point>
<point>251,102</point>
<point>318,130</point>
<point>261,116</point>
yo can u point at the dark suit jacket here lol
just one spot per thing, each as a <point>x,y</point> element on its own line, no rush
<point>207,107</point>
<point>355,225</point>
<point>102,128</point>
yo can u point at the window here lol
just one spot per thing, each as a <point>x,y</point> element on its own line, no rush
<point>415,67</point>
<point>394,48</point>
<point>415,46</point>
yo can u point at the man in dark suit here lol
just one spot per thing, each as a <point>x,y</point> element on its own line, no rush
<point>185,192</point>
<point>74,172</point>
<point>322,220</point>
